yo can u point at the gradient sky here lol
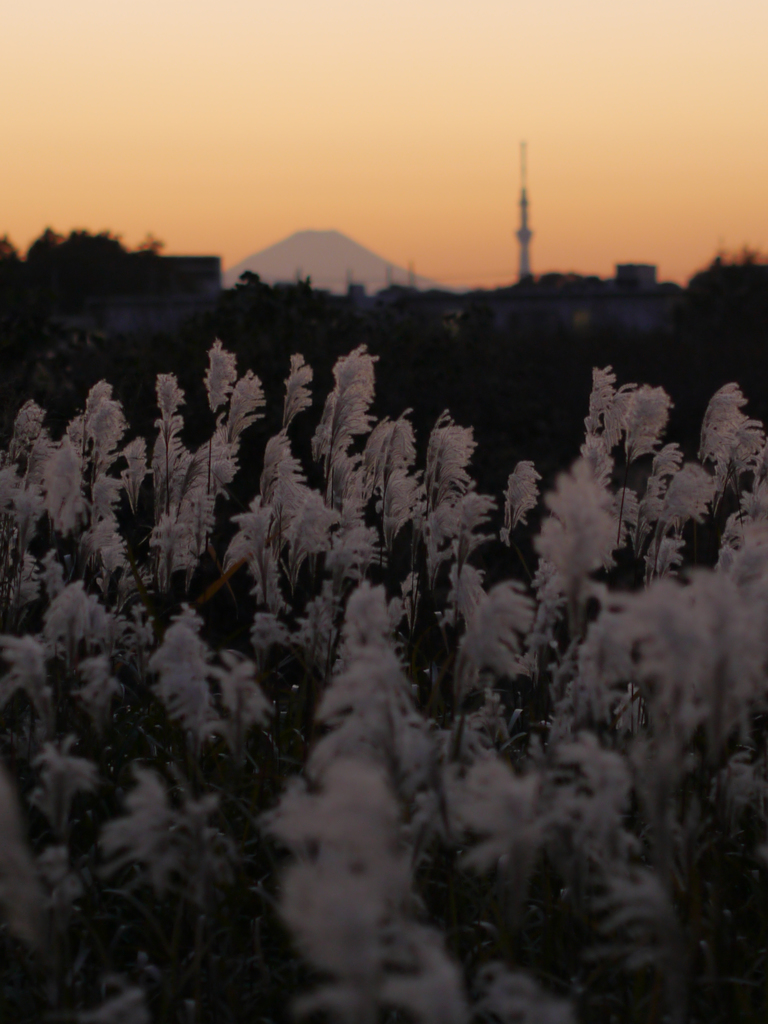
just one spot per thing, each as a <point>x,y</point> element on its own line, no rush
<point>221,128</point>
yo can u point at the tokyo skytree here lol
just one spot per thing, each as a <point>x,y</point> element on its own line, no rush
<point>525,234</point>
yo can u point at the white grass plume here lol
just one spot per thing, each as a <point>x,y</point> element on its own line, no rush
<point>297,394</point>
<point>182,665</point>
<point>220,376</point>
<point>345,414</point>
<point>61,777</point>
<point>521,497</point>
<point>579,536</point>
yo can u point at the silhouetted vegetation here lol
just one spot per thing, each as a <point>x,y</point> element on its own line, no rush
<point>524,393</point>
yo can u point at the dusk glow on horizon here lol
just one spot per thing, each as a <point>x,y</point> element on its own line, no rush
<point>224,128</point>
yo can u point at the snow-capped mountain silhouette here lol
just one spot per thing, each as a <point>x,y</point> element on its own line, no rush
<point>331,260</point>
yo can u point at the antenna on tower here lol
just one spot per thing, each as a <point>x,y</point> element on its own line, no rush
<point>524,234</point>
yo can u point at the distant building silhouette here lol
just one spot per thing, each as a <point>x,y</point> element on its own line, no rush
<point>186,286</point>
<point>635,276</point>
<point>631,302</point>
<point>169,290</point>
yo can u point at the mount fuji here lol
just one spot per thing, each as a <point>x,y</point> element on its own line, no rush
<point>331,261</point>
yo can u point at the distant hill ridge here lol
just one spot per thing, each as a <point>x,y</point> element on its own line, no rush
<point>329,259</point>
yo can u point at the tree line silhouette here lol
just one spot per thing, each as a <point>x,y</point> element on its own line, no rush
<point>524,392</point>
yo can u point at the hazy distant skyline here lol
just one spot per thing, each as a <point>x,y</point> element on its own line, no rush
<point>225,128</point>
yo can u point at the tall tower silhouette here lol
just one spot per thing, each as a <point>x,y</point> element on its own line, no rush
<point>525,234</point>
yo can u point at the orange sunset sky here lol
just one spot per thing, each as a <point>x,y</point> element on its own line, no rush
<point>222,128</point>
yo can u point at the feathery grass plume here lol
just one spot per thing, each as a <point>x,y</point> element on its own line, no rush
<point>502,811</point>
<point>21,896</point>
<point>586,796</point>
<point>135,454</point>
<point>53,575</point>
<point>446,482</point>
<point>449,451</point>
<point>181,663</point>
<point>99,689</point>
<point>368,704</point>
<point>604,425</point>
<point>605,669</point>
<point>457,522</point>
<point>747,566</point>
<point>550,603</point>
<point>345,900</point>
<point>605,417</point>
<point>514,997</point>
<point>25,503</point>
<point>645,419</point>
<point>666,463</point>
<point>309,532</point>
<point>688,496</point>
<point>352,551</point>
<point>282,484</point>
<point>220,376</point>
<point>170,458</point>
<point>105,494</point>
<point>30,443</point>
<point>689,493</point>
<point>62,487</point>
<point>437,529</point>
<point>740,784</point>
<point>75,618</point>
<point>61,777</point>
<point>730,682</point>
<point>242,698</point>
<point>103,427</point>
<point>298,397</point>
<point>521,497</point>
<point>402,496</point>
<point>493,636</point>
<point>729,440</point>
<point>267,631</point>
<point>61,885</point>
<point>145,834</point>
<point>474,511</point>
<point>254,542</point>
<point>390,447</point>
<point>579,536</point>
<point>665,559</point>
<point>345,414</point>
<point>25,656</point>
<point>169,541</point>
<point>644,416</point>
<point>479,733</point>
<point>245,406</point>
<point>422,980</point>
<point>698,654</point>
<point>177,847</point>
<point>347,489</point>
<point>317,630</point>
<point>599,459</point>
<point>638,915</point>
<point>753,503</point>
<point>389,455</point>
<point>465,592</point>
